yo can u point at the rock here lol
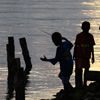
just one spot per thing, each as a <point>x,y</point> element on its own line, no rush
<point>91,92</point>
<point>92,87</point>
<point>78,95</point>
<point>96,98</point>
<point>97,94</point>
<point>88,96</point>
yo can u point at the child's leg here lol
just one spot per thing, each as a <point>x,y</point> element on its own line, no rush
<point>78,78</point>
<point>67,86</point>
<point>86,70</point>
<point>70,86</point>
<point>78,73</point>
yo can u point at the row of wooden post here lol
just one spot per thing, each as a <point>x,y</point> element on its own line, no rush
<point>16,74</point>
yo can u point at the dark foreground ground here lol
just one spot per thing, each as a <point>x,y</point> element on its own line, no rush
<point>91,92</point>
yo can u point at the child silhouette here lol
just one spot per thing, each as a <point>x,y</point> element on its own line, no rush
<point>64,57</point>
<point>82,52</point>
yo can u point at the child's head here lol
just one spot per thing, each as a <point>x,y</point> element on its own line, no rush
<point>56,38</point>
<point>85,26</point>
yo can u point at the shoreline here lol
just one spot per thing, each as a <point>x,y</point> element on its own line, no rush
<point>90,92</point>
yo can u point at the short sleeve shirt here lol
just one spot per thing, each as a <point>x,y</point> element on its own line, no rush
<point>63,56</point>
<point>84,43</point>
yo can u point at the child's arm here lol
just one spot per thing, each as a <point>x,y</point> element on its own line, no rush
<point>74,53</point>
<point>44,59</point>
<point>53,60</point>
<point>92,54</point>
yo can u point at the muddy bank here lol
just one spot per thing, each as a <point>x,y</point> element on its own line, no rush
<point>91,92</point>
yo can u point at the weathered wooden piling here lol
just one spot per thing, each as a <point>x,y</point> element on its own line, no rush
<point>19,78</point>
<point>10,56</point>
<point>26,55</point>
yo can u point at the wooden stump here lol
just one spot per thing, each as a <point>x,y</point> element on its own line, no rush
<point>26,55</point>
<point>19,80</point>
<point>10,56</point>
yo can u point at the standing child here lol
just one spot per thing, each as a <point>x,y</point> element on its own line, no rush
<point>82,52</point>
<point>63,56</point>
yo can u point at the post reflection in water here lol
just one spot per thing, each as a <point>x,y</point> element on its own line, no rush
<point>18,19</point>
<point>11,87</point>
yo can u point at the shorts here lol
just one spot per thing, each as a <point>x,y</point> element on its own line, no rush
<point>82,63</point>
<point>65,76</point>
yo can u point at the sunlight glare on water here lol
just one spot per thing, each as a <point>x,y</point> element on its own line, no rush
<point>25,18</point>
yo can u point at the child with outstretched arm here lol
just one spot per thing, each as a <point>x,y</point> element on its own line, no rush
<point>64,57</point>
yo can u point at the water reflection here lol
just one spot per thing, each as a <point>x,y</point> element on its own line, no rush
<point>18,19</point>
<point>11,86</point>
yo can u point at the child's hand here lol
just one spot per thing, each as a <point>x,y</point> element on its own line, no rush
<point>44,59</point>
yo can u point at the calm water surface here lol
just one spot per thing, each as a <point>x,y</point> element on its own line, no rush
<point>25,18</point>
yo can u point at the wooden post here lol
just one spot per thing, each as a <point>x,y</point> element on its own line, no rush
<point>10,55</point>
<point>12,47</point>
<point>26,55</point>
<point>19,80</point>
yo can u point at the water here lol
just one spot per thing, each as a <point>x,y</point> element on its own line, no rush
<point>25,18</point>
